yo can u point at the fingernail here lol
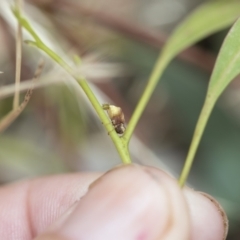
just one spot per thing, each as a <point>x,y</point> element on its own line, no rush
<point>207,218</point>
<point>221,211</point>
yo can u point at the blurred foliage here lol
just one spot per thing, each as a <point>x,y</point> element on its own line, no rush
<point>19,158</point>
<point>72,125</point>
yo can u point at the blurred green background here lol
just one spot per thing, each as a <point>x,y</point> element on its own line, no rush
<point>59,132</point>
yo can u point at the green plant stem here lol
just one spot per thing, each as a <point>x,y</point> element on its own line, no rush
<point>201,124</point>
<point>119,143</point>
<point>158,69</point>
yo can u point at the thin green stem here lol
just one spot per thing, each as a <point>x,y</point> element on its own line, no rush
<point>119,143</point>
<point>158,69</point>
<point>200,127</point>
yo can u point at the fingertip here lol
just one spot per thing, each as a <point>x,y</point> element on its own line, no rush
<point>129,202</point>
<point>207,218</point>
<point>221,212</point>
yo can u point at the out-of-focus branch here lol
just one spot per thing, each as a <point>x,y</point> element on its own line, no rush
<point>11,116</point>
<point>195,55</point>
<point>18,60</point>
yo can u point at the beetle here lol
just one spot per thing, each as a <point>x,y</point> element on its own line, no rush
<point>117,117</point>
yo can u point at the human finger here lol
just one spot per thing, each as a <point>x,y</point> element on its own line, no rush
<point>128,202</point>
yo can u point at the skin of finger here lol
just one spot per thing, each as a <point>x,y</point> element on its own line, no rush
<point>28,207</point>
<point>208,219</point>
<point>180,223</point>
<point>42,201</point>
<point>130,202</point>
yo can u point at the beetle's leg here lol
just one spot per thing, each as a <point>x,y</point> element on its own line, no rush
<point>105,106</point>
<point>113,129</point>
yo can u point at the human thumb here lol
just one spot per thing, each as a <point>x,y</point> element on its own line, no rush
<point>127,203</point>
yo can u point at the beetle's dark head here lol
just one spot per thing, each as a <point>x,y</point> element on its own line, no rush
<point>120,128</point>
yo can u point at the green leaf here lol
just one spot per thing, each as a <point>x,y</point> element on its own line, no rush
<point>205,20</point>
<point>227,67</point>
